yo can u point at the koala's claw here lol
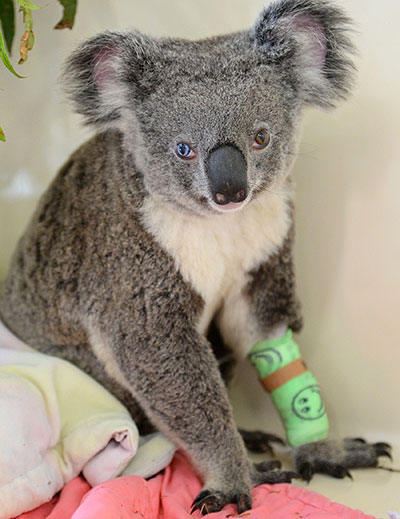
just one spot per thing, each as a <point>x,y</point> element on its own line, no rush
<point>359,440</point>
<point>306,471</point>
<point>383,445</point>
<point>378,448</point>
<point>243,502</point>
<point>209,501</point>
<point>336,471</point>
<point>348,474</point>
<point>383,449</point>
<point>259,441</point>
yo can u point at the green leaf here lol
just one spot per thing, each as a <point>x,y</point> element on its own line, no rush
<point>2,136</point>
<point>7,19</point>
<point>4,57</point>
<point>28,38</point>
<point>67,20</point>
<point>26,4</point>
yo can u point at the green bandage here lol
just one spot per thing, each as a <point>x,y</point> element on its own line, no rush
<point>294,390</point>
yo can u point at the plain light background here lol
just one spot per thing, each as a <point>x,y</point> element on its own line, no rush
<point>348,192</point>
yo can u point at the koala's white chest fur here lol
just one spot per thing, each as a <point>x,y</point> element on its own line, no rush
<point>215,254</point>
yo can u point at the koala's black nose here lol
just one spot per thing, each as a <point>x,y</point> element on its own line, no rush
<point>227,172</point>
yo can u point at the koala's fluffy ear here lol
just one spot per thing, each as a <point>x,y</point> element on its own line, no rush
<point>311,39</point>
<point>107,74</point>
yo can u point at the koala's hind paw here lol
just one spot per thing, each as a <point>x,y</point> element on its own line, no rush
<point>209,501</point>
<point>335,457</point>
<point>265,472</point>
<point>259,441</point>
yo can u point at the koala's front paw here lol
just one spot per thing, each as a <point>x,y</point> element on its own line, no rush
<point>335,457</point>
<point>209,501</point>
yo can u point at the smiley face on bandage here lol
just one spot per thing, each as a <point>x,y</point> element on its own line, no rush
<point>307,404</point>
<point>266,361</point>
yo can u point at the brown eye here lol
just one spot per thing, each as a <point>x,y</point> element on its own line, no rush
<point>261,140</point>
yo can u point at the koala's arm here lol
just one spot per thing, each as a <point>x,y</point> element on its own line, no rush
<point>274,307</point>
<point>174,375</point>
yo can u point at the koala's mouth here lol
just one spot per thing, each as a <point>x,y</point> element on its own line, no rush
<point>230,207</point>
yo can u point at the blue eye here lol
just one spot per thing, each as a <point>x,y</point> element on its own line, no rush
<point>184,151</point>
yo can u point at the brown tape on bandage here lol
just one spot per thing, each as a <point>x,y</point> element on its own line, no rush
<point>283,375</point>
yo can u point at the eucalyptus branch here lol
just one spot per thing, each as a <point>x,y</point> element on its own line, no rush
<point>7,26</point>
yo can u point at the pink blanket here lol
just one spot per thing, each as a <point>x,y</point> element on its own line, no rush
<point>170,494</point>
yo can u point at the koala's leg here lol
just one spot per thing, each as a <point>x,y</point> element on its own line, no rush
<point>175,377</point>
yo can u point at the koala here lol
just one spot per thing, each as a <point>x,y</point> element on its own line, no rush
<point>163,249</point>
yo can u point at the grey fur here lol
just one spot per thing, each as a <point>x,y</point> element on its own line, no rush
<point>294,29</point>
<point>276,277</point>
<point>89,282</point>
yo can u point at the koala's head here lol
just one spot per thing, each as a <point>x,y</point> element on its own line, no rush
<point>213,123</point>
